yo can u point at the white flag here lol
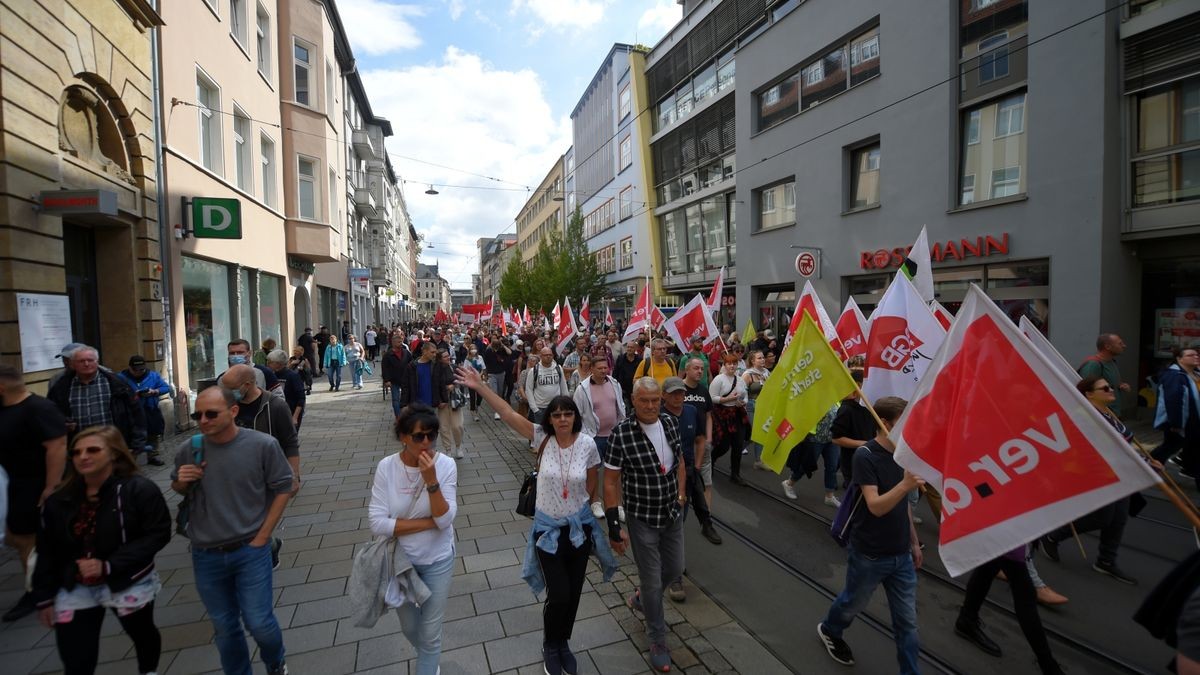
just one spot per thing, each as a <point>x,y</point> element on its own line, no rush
<point>903,339</point>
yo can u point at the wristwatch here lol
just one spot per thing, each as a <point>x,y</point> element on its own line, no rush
<point>433,487</point>
<point>682,499</point>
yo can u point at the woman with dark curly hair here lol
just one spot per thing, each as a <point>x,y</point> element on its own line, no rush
<point>413,500</point>
<point>100,531</point>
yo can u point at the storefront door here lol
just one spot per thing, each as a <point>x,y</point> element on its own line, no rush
<point>79,254</point>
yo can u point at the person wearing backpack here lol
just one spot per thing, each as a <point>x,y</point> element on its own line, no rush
<point>882,547</point>
<point>544,381</point>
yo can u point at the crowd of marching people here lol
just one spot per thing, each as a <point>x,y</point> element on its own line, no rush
<point>625,428</point>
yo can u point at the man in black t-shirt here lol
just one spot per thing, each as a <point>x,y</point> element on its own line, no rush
<point>852,427</point>
<point>883,547</point>
<point>33,453</point>
<point>698,396</point>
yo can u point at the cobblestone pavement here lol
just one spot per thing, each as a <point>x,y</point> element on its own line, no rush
<point>493,622</point>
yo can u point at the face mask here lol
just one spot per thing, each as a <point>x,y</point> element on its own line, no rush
<point>237,360</point>
<point>237,394</point>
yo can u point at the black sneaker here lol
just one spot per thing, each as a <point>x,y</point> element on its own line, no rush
<point>1111,569</point>
<point>569,665</point>
<point>838,649</point>
<point>276,544</point>
<point>281,670</point>
<point>551,659</point>
<point>24,607</point>
<point>738,480</point>
<point>710,533</point>
<point>153,459</point>
<point>1051,548</point>
<point>972,631</point>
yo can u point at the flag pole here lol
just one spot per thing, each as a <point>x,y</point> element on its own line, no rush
<point>1173,491</point>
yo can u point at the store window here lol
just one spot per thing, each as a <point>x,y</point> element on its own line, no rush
<point>1166,165</point>
<point>776,305</point>
<point>270,308</point>
<point>207,317</point>
<point>245,305</point>
<point>994,147</point>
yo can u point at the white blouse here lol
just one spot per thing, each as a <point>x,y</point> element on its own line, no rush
<point>399,493</point>
<point>565,470</point>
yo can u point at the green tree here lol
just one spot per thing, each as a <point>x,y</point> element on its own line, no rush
<point>514,288</point>
<point>562,268</point>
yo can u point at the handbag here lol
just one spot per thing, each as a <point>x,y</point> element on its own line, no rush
<point>839,529</point>
<point>458,398</point>
<point>183,514</point>
<point>527,498</point>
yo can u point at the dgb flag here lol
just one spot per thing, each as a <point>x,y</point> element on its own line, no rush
<point>809,379</point>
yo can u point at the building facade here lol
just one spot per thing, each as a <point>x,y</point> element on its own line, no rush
<point>80,226</point>
<point>460,297</point>
<point>611,176</point>
<point>433,292</point>
<point>543,213</point>
<point>494,256</point>
<point>1092,216</point>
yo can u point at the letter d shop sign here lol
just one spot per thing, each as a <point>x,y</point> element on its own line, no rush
<point>214,218</point>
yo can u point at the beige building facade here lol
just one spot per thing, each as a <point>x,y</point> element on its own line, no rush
<point>77,115</point>
<point>543,213</point>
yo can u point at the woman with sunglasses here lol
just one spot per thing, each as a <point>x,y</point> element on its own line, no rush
<point>564,531</point>
<point>413,501</point>
<point>100,531</point>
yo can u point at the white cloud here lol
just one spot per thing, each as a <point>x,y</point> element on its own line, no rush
<point>564,13</point>
<point>656,21</point>
<point>456,8</point>
<point>463,112</point>
<point>380,27</point>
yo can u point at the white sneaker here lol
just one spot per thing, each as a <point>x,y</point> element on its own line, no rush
<point>833,501</point>
<point>597,509</point>
<point>459,453</point>
<point>495,416</point>
<point>621,513</point>
<point>745,451</point>
<point>788,489</point>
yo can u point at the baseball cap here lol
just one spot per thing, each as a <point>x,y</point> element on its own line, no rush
<point>137,360</point>
<point>673,384</point>
<point>70,349</point>
<point>769,333</point>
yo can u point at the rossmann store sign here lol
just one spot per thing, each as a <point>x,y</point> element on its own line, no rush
<point>940,251</point>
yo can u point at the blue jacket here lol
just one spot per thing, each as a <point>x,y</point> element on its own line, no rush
<point>334,353</point>
<point>1178,401</point>
<point>151,380</point>
<point>545,534</point>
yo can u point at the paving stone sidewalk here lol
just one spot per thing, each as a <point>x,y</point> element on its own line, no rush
<point>493,622</point>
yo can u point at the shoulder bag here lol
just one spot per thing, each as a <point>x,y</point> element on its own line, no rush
<point>185,504</point>
<point>527,498</point>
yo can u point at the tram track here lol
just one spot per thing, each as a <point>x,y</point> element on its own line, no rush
<point>1073,642</point>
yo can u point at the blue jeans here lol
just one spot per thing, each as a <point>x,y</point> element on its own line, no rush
<point>395,394</point>
<point>899,579</point>
<point>809,453</point>
<point>356,372</point>
<point>755,448</point>
<point>658,553</point>
<point>423,625</point>
<point>235,588</point>
<point>334,375</point>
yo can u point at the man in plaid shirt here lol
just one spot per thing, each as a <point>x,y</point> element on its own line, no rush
<point>645,460</point>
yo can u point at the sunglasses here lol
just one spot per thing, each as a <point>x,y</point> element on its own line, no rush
<point>422,436</point>
<point>1104,388</point>
<point>206,414</point>
<point>89,450</point>
<point>562,415</point>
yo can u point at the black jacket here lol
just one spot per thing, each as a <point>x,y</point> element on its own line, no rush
<point>623,371</point>
<point>127,411</point>
<point>394,366</point>
<point>132,525</point>
<point>441,377</point>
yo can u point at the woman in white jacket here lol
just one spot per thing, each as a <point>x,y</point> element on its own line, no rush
<point>414,500</point>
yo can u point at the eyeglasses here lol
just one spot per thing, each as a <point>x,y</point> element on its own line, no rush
<point>422,436</point>
<point>89,450</point>
<point>206,414</point>
<point>562,415</point>
<point>1104,388</point>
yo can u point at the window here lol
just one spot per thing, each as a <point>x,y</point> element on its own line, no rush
<point>1001,157</point>
<point>993,62</point>
<point>606,259</point>
<point>208,107</point>
<point>779,102</point>
<point>303,72</point>
<point>243,172</point>
<point>330,110</point>
<point>598,220</point>
<point>683,101</point>
<point>626,253</point>
<point>333,197</point>
<point>263,21</point>
<point>267,160</point>
<point>1166,166</point>
<point>626,203</point>
<point>706,83</point>
<point>864,57</point>
<point>821,79</point>
<point>864,176</point>
<point>726,70</point>
<point>306,194</point>
<point>237,21</point>
<point>824,78</point>
<point>776,206</point>
<point>626,152</point>
<point>626,103</point>
<point>1006,182</point>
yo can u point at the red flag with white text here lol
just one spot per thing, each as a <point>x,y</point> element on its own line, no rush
<point>901,343</point>
<point>851,328</point>
<point>566,328</point>
<point>714,296</point>
<point>810,303</point>
<point>474,313</point>
<point>691,321</point>
<point>1014,449</point>
<point>640,318</point>
<point>608,320</point>
<point>555,316</point>
<point>657,318</point>
<point>585,313</point>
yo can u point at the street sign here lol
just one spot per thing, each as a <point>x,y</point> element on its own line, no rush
<point>216,218</point>
<point>360,279</point>
<point>807,265</point>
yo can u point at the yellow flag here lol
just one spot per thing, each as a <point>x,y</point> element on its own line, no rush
<point>805,384</point>
<point>749,334</point>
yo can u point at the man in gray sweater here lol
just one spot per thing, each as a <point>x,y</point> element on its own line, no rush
<point>238,483</point>
<point>544,381</point>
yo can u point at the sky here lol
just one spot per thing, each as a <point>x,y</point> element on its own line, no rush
<point>485,87</point>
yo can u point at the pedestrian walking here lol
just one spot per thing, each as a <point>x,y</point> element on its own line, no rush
<point>883,547</point>
<point>729,424</point>
<point>413,499</point>
<point>852,427</point>
<point>356,356</point>
<point>495,359</point>
<point>583,370</point>
<point>601,405</point>
<point>100,531</point>
<point>425,383</point>
<point>259,358</point>
<point>90,397</point>
<point>334,359</point>
<point>816,446</point>
<point>698,397</point>
<point>370,340</point>
<point>149,387</point>
<point>545,380</point>
<point>659,365</point>
<point>238,483</point>
<point>450,408</point>
<point>308,345</point>
<point>755,376</point>
<point>293,385</point>
<point>564,530</point>
<point>33,455</point>
<point>299,362</point>
<point>321,340</point>
<point>645,459</point>
<point>394,368</point>
<point>1177,413</point>
<point>1103,364</point>
<point>475,361</point>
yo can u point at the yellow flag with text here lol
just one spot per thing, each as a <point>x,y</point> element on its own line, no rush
<point>749,334</point>
<point>808,380</point>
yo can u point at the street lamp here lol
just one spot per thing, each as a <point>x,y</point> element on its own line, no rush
<point>431,191</point>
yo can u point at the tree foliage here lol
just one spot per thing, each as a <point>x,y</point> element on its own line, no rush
<point>562,268</point>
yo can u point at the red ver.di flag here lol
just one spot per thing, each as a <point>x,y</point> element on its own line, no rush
<point>904,337</point>
<point>640,319</point>
<point>810,304</point>
<point>1014,449</point>
<point>852,330</point>
<point>691,321</point>
<point>566,328</point>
